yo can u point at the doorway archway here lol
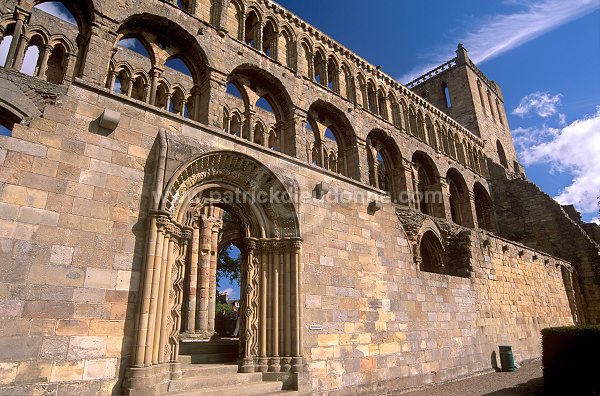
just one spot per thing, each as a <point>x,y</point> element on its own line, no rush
<point>182,238</point>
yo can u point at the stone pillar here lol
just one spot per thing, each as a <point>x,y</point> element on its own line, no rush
<point>263,324</point>
<point>211,97</point>
<point>193,280</point>
<point>202,300</point>
<point>249,127</point>
<point>216,227</point>
<point>21,50</point>
<point>296,139</point>
<point>274,264</point>
<point>409,194</point>
<point>470,205</point>
<point>43,64</point>
<point>297,362</point>
<point>442,209</point>
<point>128,86</point>
<point>360,160</point>
<point>21,16</point>
<point>98,41</point>
<point>154,75</point>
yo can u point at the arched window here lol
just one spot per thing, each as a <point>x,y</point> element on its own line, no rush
<point>490,102</point>
<point>431,133</point>
<point>460,152</point>
<point>226,120</point>
<point>446,93</point>
<point>498,108</point>
<point>396,112</point>
<point>427,187</point>
<point>138,90</point>
<point>215,12</point>
<point>333,75</point>
<point>484,208</point>
<point>31,60</point>
<point>57,64</point>
<point>382,104</point>
<point>412,122</point>
<point>273,141</point>
<point>234,12</point>
<point>332,133</point>
<point>460,205</point>
<point>420,127</point>
<point>252,30</point>
<point>451,144</point>
<point>372,97</point>
<point>4,47</point>
<point>431,253</point>
<point>480,90</point>
<point>236,125</point>
<point>162,97</point>
<point>445,143</point>
<point>270,40</point>
<point>385,165</point>
<point>320,68</point>
<point>177,102</point>
<point>305,61</point>
<point>121,82</point>
<point>259,134</point>
<point>7,122</point>
<point>286,49</point>
<point>501,154</point>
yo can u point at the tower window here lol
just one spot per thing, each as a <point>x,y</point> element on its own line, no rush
<point>446,92</point>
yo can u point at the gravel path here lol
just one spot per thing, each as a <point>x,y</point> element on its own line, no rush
<point>526,381</point>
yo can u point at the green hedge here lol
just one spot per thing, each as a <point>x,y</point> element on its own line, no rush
<point>571,357</point>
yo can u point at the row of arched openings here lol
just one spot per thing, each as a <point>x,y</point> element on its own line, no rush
<point>34,50</point>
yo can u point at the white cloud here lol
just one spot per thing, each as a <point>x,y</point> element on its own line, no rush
<point>129,43</point>
<point>58,10</point>
<point>574,149</point>
<point>228,291</point>
<point>540,103</point>
<point>596,220</point>
<point>501,33</point>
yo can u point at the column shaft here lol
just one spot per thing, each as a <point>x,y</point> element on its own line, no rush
<point>193,281</point>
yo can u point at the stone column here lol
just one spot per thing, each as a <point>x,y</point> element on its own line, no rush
<point>193,280</point>
<point>360,160</point>
<point>20,55</point>
<point>43,64</point>
<point>442,209</point>
<point>296,306</point>
<point>216,227</point>
<point>295,129</point>
<point>250,113</point>
<point>274,307</point>
<point>202,291</point>
<point>211,95</point>
<point>154,75</point>
<point>263,324</point>
<point>409,194</point>
<point>470,205</point>
<point>249,318</point>
<point>21,16</point>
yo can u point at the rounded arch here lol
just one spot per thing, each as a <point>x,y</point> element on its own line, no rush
<point>385,165</point>
<point>234,172</point>
<point>484,208</point>
<point>257,83</point>
<point>460,203</point>
<point>83,11</point>
<point>324,116</point>
<point>430,249</point>
<point>427,185</point>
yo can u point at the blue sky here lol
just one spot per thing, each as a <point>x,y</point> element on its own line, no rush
<point>545,54</point>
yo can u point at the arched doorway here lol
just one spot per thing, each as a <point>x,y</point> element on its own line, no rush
<point>180,260</point>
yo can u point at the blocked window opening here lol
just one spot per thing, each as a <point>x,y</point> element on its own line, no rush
<point>138,90</point>
<point>320,67</point>
<point>333,76</point>
<point>55,73</point>
<point>484,208</point>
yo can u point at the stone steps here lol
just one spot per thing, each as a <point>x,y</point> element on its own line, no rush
<point>215,379</point>
<point>208,358</point>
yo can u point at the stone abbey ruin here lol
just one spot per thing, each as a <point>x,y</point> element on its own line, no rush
<point>388,236</point>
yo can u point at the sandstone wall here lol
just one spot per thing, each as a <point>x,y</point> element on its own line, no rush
<point>73,204</point>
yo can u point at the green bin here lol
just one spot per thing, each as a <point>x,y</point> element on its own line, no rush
<point>506,358</point>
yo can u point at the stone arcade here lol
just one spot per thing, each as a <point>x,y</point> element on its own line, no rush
<point>388,235</point>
